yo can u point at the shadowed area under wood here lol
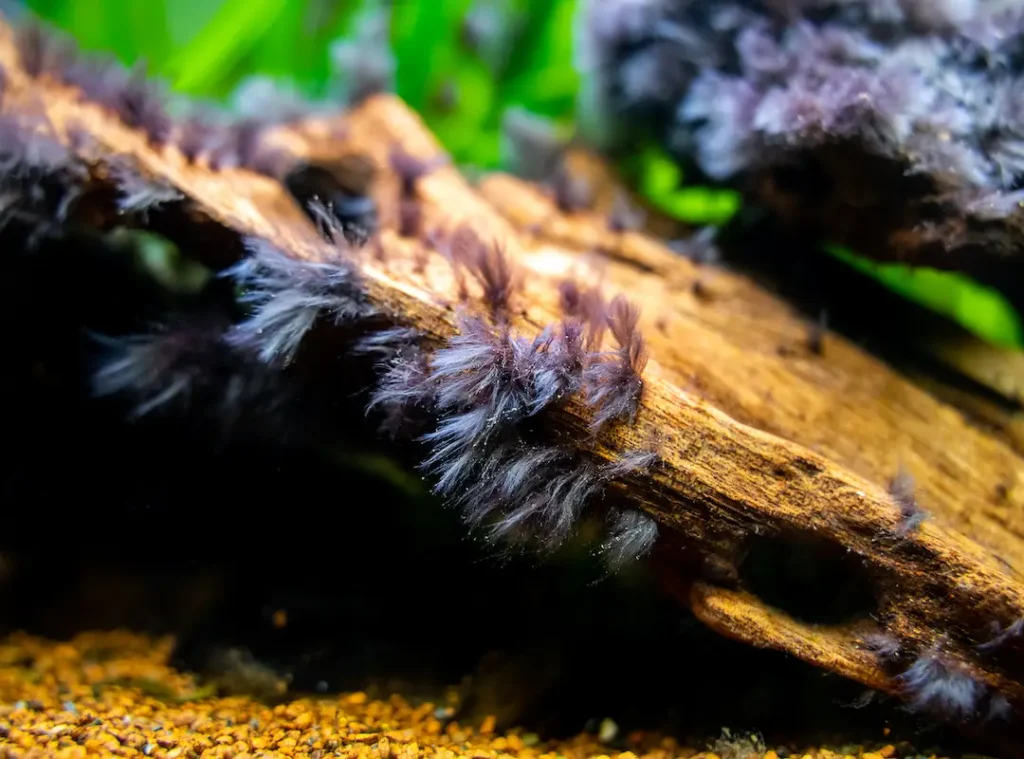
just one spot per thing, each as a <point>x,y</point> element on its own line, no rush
<point>758,437</point>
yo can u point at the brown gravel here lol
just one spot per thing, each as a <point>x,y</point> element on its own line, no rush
<point>112,694</point>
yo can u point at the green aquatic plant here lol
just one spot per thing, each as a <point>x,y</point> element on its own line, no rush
<point>980,310</point>
<point>661,180</point>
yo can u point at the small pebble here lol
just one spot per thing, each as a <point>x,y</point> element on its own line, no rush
<point>608,731</point>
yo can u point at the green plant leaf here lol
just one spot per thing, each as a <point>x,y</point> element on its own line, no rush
<point>981,310</point>
<point>185,18</point>
<point>236,29</point>
<point>126,29</point>
<point>660,180</point>
<point>541,76</point>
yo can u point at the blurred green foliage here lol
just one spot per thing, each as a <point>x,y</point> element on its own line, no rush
<point>518,54</point>
<point>980,310</point>
<point>206,48</point>
<point>660,180</point>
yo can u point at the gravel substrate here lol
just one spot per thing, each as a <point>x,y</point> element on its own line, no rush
<point>113,694</point>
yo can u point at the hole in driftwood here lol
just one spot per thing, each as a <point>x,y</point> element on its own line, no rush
<point>343,187</point>
<point>197,236</point>
<point>810,580</point>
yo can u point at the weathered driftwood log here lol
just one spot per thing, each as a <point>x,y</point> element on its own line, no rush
<point>739,429</point>
<point>890,128</point>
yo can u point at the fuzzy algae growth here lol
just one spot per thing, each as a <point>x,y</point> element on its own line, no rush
<point>114,694</point>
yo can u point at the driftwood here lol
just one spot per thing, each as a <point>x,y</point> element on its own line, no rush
<point>823,139</point>
<point>760,433</point>
<point>897,226</point>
